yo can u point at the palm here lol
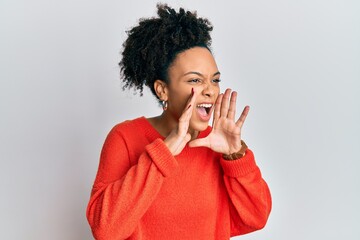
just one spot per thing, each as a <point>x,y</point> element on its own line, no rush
<point>225,136</point>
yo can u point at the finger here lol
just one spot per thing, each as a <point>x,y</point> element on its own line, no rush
<point>190,100</point>
<point>217,108</point>
<point>186,139</point>
<point>201,142</point>
<point>232,108</point>
<point>184,121</point>
<point>189,105</point>
<point>185,117</point>
<point>242,118</point>
<point>225,103</point>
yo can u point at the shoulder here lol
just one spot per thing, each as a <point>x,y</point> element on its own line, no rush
<point>132,136</point>
<point>128,126</point>
<point>135,131</point>
<point>124,130</point>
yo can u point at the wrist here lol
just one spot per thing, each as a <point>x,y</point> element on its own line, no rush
<point>238,154</point>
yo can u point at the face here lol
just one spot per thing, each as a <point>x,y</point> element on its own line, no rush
<point>194,68</point>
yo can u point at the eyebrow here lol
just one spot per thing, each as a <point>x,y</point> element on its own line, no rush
<point>199,74</point>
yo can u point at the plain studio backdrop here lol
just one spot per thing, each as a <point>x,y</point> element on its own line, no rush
<point>296,63</point>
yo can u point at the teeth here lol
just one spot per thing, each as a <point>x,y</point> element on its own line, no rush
<point>205,105</point>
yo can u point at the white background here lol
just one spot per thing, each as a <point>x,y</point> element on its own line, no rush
<point>296,63</point>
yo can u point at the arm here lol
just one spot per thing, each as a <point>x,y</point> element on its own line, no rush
<point>122,193</point>
<point>250,200</point>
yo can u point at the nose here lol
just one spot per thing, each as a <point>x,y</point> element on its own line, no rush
<point>208,90</point>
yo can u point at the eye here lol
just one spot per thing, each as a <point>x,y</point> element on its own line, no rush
<point>194,80</point>
<point>216,80</point>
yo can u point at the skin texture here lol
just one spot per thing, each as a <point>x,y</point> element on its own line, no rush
<point>194,80</point>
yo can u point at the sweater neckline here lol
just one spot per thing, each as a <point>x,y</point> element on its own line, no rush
<point>152,132</point>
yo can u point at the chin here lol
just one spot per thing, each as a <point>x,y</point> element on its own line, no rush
<point>199,125</point>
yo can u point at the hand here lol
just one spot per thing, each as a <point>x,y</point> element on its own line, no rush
<point>225,136</point>
<point>179,137</point>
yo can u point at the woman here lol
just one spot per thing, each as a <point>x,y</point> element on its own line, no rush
<point>173,176</point>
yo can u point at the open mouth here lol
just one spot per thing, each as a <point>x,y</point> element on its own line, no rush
<point>204,108</point>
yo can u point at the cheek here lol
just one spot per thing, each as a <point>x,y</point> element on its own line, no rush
<point>216,92</point>
<point>179,99</point>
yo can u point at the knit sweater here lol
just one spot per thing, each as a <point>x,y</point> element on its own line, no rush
<point>142,191</point>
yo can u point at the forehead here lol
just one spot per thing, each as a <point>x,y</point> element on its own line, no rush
<point>198,59</point>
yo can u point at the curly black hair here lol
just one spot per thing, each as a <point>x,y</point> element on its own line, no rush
<point>153,45</point>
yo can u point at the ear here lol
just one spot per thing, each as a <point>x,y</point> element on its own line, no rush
<point>161,89</point>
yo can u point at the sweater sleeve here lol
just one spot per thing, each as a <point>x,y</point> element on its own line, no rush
<point>250,199</point>
<point>122,193</point>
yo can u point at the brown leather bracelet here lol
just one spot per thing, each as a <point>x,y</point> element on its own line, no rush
<point>237,155</point>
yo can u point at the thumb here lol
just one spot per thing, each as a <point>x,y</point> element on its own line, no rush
<point>187,137</point>
<point>201,142</point>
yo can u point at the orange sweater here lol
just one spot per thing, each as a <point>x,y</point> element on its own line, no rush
<point>142,191</point>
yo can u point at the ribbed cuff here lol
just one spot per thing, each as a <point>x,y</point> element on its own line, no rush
<point>162,157</point>
<point>239,167</point>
